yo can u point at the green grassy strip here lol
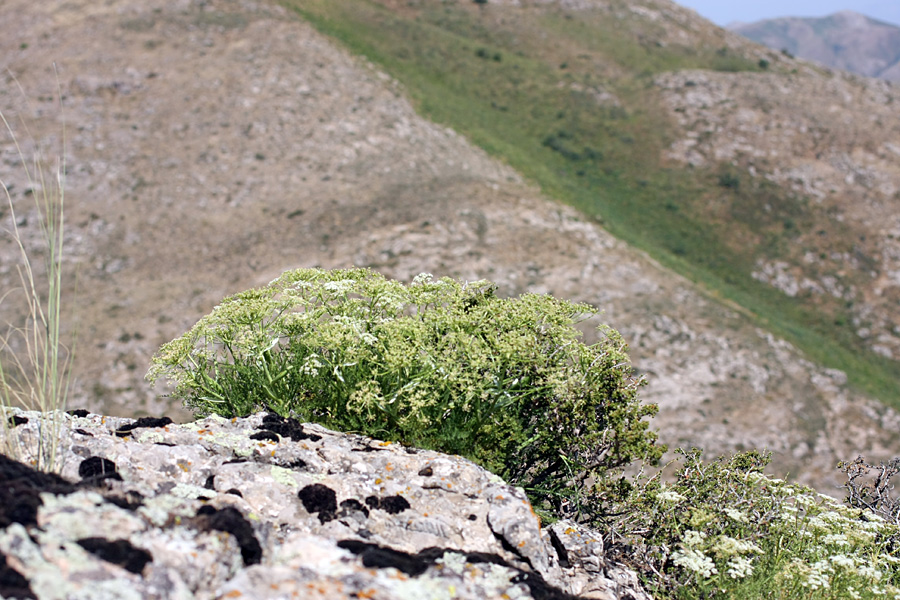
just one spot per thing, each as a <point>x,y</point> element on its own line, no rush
<point>545,122</point>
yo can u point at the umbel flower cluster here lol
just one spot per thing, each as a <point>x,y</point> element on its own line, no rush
<point>437,364</point>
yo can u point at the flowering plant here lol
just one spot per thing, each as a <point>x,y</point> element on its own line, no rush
<point>436,364</point>
<point>724,529</point>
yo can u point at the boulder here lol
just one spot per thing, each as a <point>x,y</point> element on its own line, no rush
<point>268,507</point>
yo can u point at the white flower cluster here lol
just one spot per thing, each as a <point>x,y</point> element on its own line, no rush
<point>341,286</point>
<point>736,515</point>
<point>670,496</point>
<point>311,365</point>
<point>728,546</point>
<point>739,567</point>
<point>695,561</point>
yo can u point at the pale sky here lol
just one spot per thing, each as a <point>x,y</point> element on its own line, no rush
<point>723,12</point>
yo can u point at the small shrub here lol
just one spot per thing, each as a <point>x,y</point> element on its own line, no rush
<point>725,530</point>
<point>436,364</point>
<point>729,179</point>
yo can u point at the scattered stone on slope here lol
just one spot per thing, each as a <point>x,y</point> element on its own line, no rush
<point>203,510</point>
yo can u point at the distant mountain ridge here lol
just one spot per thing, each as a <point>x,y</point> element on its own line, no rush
<point>845,40</point>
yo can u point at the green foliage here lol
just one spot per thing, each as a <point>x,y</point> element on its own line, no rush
<point>436,364</point>
<point>725,530</point>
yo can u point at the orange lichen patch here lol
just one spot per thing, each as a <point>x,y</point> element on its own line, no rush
<point>533,514</point>
<point>328,589</point>
<point>366,594</point>
<point>499,497</point>
<point>389,467</point>
<point>184,465</point>
<point>382,444</point>
<point>569,531</point>
<point>233,594</point>
<point>522,544</point>
<point>378,481</point>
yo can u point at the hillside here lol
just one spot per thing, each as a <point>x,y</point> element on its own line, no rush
<point>214,144</point>
<point>845,40</point>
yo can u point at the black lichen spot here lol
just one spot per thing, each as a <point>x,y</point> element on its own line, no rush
<point>390,504</point>
<point>129,501</point>
<point>78,412</point>
<point>20,488</point>
<point>95,469</point>
<point>352,505</point>
<point>142,423</point>
<point>426,472</point>
<point>295,464</point>
<point>210,483</point>
<point>472,518</point>
<point>230,520</point>
<point>290,427</point>
<point>16,420</point>
<point>381,557</point>
<point>83,432</point>
<point>318,498</point>
<point>235,492</point>
<point>12,583</point>
<point>394,504</point>
<point>119,552</point>
<point>266,435</point>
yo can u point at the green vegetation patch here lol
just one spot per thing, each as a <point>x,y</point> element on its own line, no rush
<point>723,529</point>
<point>436,364</point>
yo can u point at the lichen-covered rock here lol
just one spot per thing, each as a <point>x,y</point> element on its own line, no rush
<point>267,507</point>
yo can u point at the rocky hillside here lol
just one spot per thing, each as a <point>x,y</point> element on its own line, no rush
<point>212,145</point>
<point>845,40</point>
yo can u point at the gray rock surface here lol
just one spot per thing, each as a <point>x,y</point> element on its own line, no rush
<point>264,507</point>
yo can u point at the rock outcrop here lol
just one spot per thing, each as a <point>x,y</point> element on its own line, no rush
<point>267,507</point>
